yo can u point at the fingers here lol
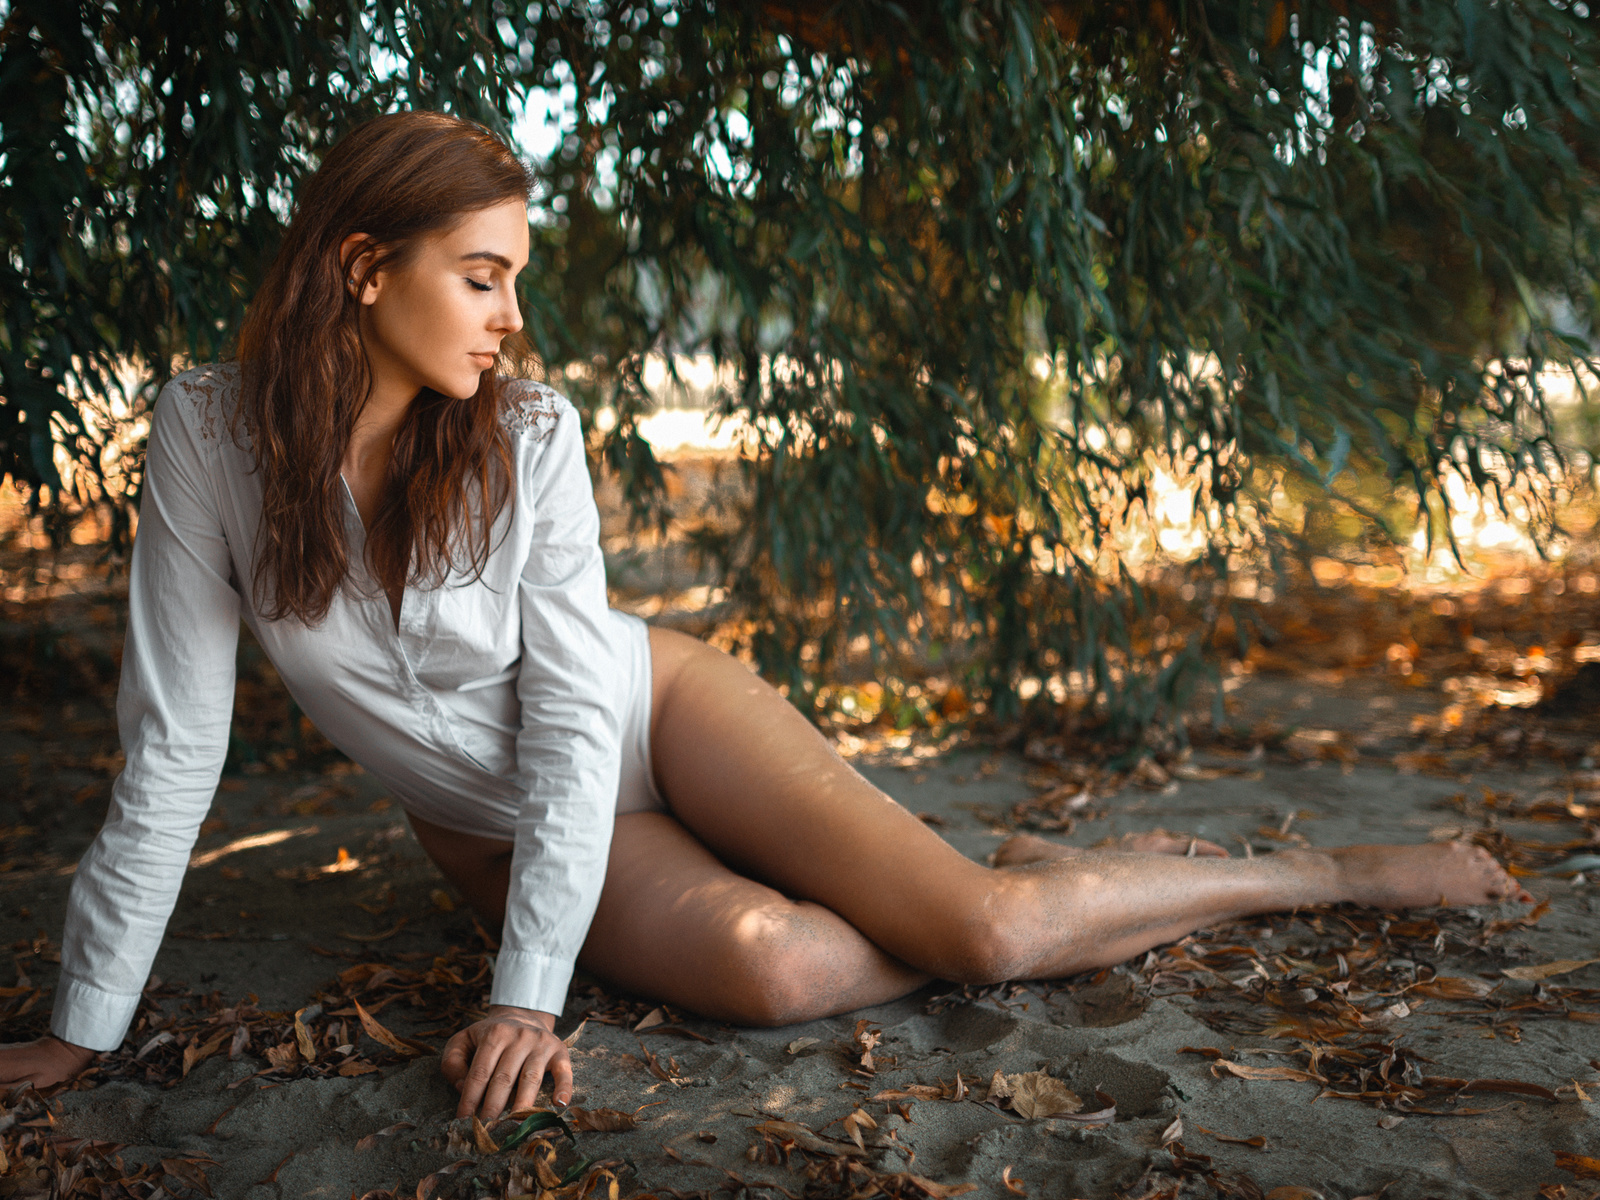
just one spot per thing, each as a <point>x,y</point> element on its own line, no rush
<point>457,1054</point>
<point>558,1065</point>
<point>510,1062</point>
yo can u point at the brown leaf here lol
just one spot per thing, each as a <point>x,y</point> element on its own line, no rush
<point>371,1140</point>
<point>355,1066</point>
<point>1172,1132</point>
<point>427,1183</point>
<point>1104,1115</point>
<point>1245,1071</point>
<point>1561,966</point>
<point>1258,1141</point>
<point>913,1091</point>
<point>1453,987</point>
<point>1208,1051</point>
<point>800,1044</point>
<point>194,1054</point>
<point>1390,1121</point>
<point>808,1139</point>
<point>571,1039</point>
<point>1489,1085</point>
<point>999,1088</point>
<point>481,1138</point>
<point>189,1171</point>
<point>854,1123</point>
<point>601,1120</point>
<point>934,1191</point>
<point>1290,1192</point>
<point>1014,1186</point>
<point>655,1016</point>
<point>866,1040</point>
<point>1036,1094</point>
<point>378,937</point>
<point>379,1034</point>
<point>302,1037</point>
<point>284,1056</point>
<point>1581,1165</point>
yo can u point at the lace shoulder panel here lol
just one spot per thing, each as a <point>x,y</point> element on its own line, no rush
<point>210,392</point>
<point>532,408</point>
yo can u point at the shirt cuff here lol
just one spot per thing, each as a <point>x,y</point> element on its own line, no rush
<point>534,981</point>
<point>87,1016</point>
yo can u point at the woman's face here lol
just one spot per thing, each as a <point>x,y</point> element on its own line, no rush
<point>438,321</point>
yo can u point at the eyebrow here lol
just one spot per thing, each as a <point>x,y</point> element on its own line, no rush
<point>499,260</point>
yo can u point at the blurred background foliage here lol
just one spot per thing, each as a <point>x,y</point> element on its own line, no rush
<point>981,279</point>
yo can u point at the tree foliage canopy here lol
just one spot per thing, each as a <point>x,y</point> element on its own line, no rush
<point>977,270</point>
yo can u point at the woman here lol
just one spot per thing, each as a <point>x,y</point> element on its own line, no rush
<point>413,540</point>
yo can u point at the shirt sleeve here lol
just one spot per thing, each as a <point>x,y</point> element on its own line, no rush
<point>174,705</point>
<point>567,749</point>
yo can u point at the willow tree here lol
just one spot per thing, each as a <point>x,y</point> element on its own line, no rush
<point>976,270</point>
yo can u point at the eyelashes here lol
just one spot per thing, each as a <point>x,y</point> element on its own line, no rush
<point>480,287</point>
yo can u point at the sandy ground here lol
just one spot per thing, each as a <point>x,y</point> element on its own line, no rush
<point>263,917</point>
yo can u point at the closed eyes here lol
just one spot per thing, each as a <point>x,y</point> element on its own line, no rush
<point>482,287</point>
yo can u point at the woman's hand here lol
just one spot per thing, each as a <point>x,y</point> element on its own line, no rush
<point>44,1062</point>
<point>501,1060</point>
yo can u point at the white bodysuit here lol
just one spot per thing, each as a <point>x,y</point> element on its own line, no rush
<point>512,705</point>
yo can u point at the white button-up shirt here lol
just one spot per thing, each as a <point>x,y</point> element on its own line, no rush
<point>491,709</point>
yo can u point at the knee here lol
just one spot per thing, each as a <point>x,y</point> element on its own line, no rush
<point>776,973</point>
<point>999,937</point>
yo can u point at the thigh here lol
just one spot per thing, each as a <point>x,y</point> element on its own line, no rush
<point>754,780</point>
<point>676,924</point>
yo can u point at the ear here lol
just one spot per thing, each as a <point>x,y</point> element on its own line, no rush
<point>355,253</point>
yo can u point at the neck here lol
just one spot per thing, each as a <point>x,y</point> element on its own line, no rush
<point>379,420</point>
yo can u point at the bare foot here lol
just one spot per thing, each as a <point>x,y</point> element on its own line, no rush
<point>43,1062</point>
<point>1025,848</point>
<point>1419,876</point>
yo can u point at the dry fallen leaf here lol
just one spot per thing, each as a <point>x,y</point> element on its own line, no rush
<point>283,1056</point>
<point>1035,1094</point>
<point>371,1140</point>
<point>1291,1192</point>
<point>855,1122</point>
<point>194,1054</point>
<point>1547,970</point>
<point>1245,1071</point>
<point>302,1037</point>
<point>601,1120</point>
<point>800,1044</point>
<point>1172,1132</point>
<point>1581,1165</point>
<point>1014,1186</point>
<point>808,1139</point>
<point>571,1039</point>
<point>1258,1141</point>
<point>656,1016</point>
<point>1453,987</point>
<point>1390,1121</point>
<point>913,1091</point>
<point>354,1066</point>
<point>481,1138</point>
<point>378,1033</point>
<point>866,1039</point>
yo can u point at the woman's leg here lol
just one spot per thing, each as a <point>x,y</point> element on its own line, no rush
<point>750,778</point>
<point>676,925</point>
<point>785,887</point>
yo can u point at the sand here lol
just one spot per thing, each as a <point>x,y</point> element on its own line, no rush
<point>248,920</point>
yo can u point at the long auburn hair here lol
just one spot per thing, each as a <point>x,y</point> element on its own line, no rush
<point>305,374</point>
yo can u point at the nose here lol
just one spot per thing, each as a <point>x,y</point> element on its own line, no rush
<point>508,316</point>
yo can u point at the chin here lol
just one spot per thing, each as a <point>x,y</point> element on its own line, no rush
<point>462,387</point>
